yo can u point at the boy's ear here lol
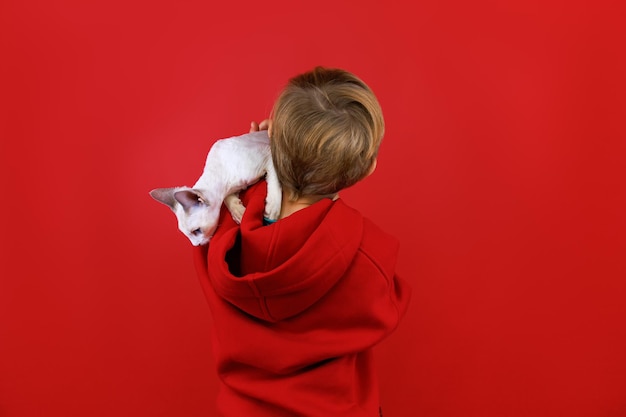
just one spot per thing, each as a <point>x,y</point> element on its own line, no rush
<point>267,124</point>
<point>165,196</point>
<point>189,198</point>
<point>372,168</point>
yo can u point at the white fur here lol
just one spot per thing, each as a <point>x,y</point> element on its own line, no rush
<point>232,165</point>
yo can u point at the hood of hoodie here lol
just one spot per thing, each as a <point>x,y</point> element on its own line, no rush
<point>277,271</point>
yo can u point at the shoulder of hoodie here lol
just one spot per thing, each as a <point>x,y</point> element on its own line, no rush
<point>378,246</point>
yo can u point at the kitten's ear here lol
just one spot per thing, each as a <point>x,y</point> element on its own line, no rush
<point>189,198</point>
<point>165,196</point>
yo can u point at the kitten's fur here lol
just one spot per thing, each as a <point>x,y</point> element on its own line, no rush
<point>232,165</point>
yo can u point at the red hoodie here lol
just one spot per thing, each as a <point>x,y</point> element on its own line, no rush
<point>297,307</point>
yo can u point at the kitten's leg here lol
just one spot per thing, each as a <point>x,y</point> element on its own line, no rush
<point>235,206</point>
<point>274,194</point>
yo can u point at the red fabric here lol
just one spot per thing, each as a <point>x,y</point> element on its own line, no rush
<point>297,307</point>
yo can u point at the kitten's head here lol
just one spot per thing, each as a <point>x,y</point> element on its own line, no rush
<point>197,217</point>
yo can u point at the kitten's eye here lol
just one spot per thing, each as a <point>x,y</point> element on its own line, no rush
<point>196,232</point>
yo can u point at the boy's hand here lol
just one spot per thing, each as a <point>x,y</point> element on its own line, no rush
<point>264,125</point>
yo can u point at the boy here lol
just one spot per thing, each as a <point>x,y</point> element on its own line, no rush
<point>297,305</point>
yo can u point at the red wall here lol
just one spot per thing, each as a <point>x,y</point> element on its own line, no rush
<point>502,174</point>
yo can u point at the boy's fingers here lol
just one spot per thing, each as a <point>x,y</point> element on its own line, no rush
<point>254,127</point>
<point>265,124</point>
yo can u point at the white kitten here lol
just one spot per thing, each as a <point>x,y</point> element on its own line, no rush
<point>232,165</point>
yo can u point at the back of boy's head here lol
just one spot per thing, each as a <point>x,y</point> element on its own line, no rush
<point>327,127</point>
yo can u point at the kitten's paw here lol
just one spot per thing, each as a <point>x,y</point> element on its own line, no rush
<point>272,209</point>
<point>273,200</point>
<point>238,215</point>
<point>235,206</point>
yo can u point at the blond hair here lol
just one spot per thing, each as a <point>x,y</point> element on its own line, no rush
<point>326,131</point>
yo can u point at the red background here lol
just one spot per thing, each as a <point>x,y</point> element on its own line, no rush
<point>502,174</point>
